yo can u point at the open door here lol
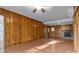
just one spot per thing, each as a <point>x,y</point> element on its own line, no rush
<point>1,33</point>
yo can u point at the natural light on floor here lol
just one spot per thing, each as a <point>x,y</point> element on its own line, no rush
<point>46,45</point>
<point>53,42</point>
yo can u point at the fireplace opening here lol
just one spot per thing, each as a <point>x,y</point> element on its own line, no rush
<point>67,33</point>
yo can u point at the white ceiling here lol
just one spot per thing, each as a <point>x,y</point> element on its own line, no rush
<point>54,15</point>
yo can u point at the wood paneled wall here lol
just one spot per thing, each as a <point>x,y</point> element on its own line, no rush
<point>76,29</point>
<point>20,29</point>
<point>58,29</point>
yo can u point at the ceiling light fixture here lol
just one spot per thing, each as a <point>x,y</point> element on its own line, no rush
<point>42,8</point>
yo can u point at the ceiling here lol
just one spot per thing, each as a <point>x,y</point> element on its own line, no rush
<point>54,15</point>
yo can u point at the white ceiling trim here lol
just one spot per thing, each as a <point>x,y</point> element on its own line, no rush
<point>60,22</point>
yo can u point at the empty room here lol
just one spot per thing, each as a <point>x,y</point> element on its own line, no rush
<point>39,29</point>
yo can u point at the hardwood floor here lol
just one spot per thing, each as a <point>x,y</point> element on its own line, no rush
<point>44,46</point>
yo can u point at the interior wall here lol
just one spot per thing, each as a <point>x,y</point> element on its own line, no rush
<point>20,29</point>
<point>58,29</point>
<point>76,29</point>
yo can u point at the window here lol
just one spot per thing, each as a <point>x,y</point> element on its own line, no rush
<point>48,30</point>
<point>52,29</point>
<point>1,23</point>
<point>1,27</point>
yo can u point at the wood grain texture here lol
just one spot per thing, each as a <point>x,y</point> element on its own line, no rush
<point>76,29</point>
<point>20,29</point>
<point>58,29</point>
<point>49,45</point>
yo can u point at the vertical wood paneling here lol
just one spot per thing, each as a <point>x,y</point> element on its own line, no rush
<point>7,27</point>
<point>76,29</point>
<point>20,29</point>
<point>58,29</point>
